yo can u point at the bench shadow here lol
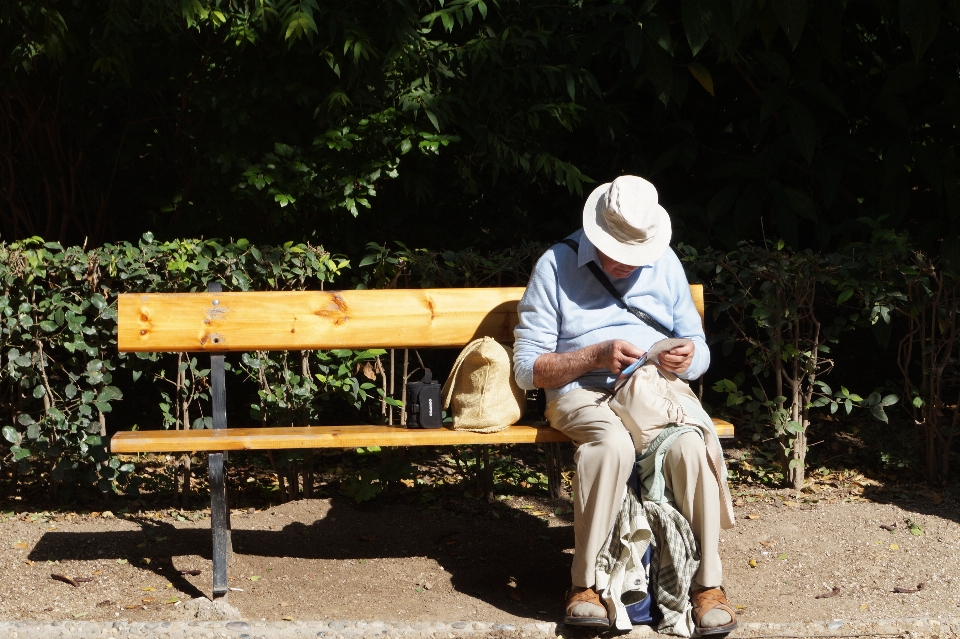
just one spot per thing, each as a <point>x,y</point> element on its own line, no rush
<point>515,563</point>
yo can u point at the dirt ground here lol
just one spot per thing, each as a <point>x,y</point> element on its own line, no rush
<point>463,558</point>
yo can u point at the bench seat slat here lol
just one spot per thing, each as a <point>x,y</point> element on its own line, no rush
<point>284,437</point>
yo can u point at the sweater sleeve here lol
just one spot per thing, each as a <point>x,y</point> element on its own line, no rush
<point>539,324</point>
<point>686,320</point>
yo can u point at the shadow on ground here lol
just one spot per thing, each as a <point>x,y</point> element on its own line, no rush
<point>515,562</point>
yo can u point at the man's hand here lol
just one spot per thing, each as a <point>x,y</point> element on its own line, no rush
<point>677,359</point>
<point>616,354</point>
<point>553,370</point>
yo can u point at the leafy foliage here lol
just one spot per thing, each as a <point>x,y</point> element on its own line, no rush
<point>58,343</point>
<point>405,267</point>
<point>904,284</point>
<point>783,118</point>
<point>774,300</point>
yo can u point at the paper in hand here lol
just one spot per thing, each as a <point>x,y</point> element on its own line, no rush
<point>651,355</point>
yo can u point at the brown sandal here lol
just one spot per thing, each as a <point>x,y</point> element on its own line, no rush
<point>705,600</point>
<point>585,596</point>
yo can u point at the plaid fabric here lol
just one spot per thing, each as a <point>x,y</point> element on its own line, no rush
<point>621,576</point>
<point>676,559</point>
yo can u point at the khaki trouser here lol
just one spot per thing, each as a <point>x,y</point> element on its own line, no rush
<point>604,458</point>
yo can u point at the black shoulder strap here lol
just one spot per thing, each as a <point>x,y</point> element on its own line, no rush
<point>607,284</point>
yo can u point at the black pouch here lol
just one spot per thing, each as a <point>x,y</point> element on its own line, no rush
<point>423,403</point>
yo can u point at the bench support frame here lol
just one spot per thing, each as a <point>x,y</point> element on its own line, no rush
<point>219,508</point>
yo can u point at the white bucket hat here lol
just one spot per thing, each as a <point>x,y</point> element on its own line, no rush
<point>625,222</point>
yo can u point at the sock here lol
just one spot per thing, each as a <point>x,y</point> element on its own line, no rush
<point>585,609</point>
<point>714,618</point>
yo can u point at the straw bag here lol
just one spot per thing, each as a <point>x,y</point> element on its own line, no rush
<point>481,388</point>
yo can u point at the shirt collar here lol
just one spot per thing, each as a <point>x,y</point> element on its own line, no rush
<point>587,252</point>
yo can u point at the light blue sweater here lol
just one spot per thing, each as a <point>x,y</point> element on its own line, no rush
<point>565,308</point>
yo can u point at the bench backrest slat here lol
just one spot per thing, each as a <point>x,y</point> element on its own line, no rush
<point>307,320</point>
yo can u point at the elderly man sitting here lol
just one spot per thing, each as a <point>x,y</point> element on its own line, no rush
<point>575,338</point>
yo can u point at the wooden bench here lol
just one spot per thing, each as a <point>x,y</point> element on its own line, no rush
<point>217,322</point>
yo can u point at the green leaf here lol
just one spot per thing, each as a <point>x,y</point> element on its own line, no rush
<point>697,16</point>
<point>920,19</point>
<point>39,391</point>
<point>792,15</point>
<point>98,301</point>
<point>571,86</point>
<point>880,414</point>
<point>25,419</point>
<point>702,75</point>
<point>11,435</point>
<point>109,393</point>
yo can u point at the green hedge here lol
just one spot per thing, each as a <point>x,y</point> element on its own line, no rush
<point>59,356</point>
<point>787,310</point>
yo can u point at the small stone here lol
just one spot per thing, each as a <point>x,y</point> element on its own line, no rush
<point>504,626</point>
<point>337,625</point>
<point>107,515</point>
<point>834,625</point>
<point>361,624</point>
<point>459,625</point>
<point>238,626</point>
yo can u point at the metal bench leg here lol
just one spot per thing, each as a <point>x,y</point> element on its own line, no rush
<point>219,524</point>
<point>552,457</point>
<point>219,508</point>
